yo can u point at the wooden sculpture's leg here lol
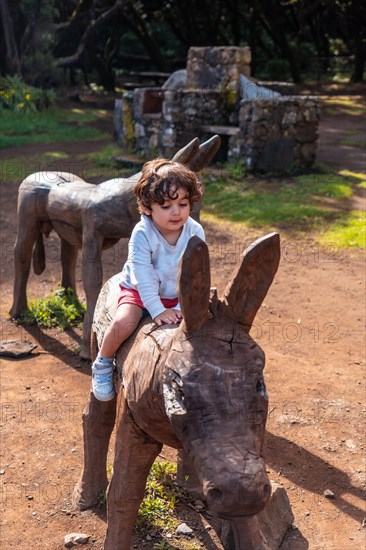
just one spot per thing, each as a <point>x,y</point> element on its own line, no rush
<point>243,534</point>
<point>134,454</point>
<point>69,256</point>
<point>92,274</point>
<point>187,476</point>
<point>98,423</point>
<point>26,237</point>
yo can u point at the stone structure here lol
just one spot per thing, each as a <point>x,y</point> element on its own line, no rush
<point>172,377</point>
<point>265,128</point>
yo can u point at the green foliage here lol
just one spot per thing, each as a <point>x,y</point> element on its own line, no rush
<point>48,127</point>
<point>161,495</point>
<point>62,309</point>
<point>289,39</point>
<point>18,97</point>
<point>274,69</point>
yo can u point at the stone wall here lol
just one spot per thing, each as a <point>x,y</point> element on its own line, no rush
<point>186,111</point>
<point>147,113</point>
<point>217,67</point>
<point>278,135</point>
<point>266,132</point>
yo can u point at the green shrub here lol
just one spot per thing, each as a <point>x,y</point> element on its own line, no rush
<point>62,309</point>
<point>160,497</point>
<point>18,97</point>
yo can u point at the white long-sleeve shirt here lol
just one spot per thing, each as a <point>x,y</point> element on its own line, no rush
<point>152,263</point>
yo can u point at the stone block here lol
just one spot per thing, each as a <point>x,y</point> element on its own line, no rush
<point>215,66</point>
<point>277,517</point>
<point>276,156</point>
<point>289,119</point>
<point>176,80</point>
<point>305,154</point>
<point>307,132</point>
<point>273,522</point>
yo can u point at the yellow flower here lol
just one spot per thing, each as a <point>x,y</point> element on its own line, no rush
<point>20,105</point>
<point>27,97</point>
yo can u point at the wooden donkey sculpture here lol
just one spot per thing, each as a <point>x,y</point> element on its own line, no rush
<point>184,386</point>
<point>86,216</point>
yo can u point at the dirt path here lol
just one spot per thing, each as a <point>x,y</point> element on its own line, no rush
<point>312,330</point>
<point>333,150</point>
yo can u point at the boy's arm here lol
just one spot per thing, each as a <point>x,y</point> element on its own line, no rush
<point>143,275</point>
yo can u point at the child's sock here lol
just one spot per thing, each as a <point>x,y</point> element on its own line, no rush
<point>102,362</point>
<point>102,378</point>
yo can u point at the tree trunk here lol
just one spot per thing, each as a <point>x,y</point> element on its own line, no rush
<point>12,61</point>
<point>359,66</point>
<point>274,28</point>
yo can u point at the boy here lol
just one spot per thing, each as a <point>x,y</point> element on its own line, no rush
<point>165,192</point>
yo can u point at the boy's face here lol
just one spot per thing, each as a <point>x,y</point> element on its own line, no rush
<point>170,217</point>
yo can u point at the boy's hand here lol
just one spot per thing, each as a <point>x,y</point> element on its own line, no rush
<point>169,317</point>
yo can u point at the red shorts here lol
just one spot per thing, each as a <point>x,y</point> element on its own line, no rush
<point>131,296</point>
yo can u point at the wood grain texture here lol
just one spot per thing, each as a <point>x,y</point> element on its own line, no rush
<point>198,386</point>
<point>85,216</point>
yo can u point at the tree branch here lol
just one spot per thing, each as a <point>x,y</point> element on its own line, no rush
<point>71,59</point>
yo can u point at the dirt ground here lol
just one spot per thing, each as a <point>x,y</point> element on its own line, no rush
<point>312,328</point>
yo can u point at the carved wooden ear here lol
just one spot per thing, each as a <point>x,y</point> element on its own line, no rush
<point>250,283</point>
<point>187,152</point>
<point>194,284</point>
<point>205,154</point>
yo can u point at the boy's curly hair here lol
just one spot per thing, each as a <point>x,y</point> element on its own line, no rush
<point>160,179</point>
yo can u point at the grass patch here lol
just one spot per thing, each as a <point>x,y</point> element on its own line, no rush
<point>159,510</point>
<point>349,231</point>
<point>350,105</point>
<point>267,203</point>
<point>308,202</point>
<point>107,157</point>
<point>62,310</point>
<point>102,164</point>
<point>96,165</point>
<point>353,143</point>
<point>15,169</point>
<point>327,184</point>
<point>358,177</point>
<point>51,126</point>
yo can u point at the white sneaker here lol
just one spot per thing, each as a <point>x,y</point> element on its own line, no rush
<point>102,381</point>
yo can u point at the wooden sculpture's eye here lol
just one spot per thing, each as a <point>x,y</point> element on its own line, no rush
<point>261,388</point>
